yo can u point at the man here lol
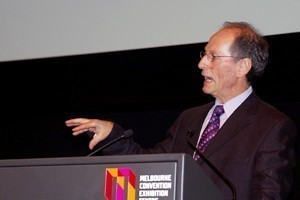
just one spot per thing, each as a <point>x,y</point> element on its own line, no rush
<point>252,142</point>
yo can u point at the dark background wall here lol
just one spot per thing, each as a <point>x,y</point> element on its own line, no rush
<point>140,89</point>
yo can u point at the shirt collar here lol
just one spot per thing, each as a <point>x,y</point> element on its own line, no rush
<point>231,105</point>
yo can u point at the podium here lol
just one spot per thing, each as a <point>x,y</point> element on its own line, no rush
<point>122,177</point>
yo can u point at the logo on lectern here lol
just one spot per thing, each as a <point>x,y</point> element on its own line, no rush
<point>122,181</point>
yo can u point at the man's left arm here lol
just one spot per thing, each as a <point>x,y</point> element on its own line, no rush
<point>275,163</point>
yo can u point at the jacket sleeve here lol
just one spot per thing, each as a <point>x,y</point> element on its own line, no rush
<point>275,162</point>
<point>129,146</point>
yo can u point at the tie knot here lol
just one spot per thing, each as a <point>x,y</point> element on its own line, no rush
<point>219,110</point>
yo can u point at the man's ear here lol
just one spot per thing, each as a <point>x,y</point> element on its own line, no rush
<point>245,65</point>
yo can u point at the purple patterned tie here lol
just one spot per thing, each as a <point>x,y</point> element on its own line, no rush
<point>210,130</point>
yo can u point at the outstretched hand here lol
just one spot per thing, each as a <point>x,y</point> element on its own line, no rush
<point>100,128</point>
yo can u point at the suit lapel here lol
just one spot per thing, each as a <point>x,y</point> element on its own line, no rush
<point>239,120</point>
<point>197,120</point>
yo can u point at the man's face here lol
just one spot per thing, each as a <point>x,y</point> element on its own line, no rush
<point>221,78</point>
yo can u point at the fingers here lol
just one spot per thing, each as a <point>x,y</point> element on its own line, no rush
<point>76,121</point>
<point>94,142</point>
<point>101,128</point>
<point>102,131</point>
<point>80,125</point>
<point>98,137</point>
<point>79,131</point>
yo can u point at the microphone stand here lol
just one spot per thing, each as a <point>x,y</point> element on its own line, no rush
<point>216,170</point>
<point>126,134</point>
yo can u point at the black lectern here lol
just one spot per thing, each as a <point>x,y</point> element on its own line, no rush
<point>128,177</point>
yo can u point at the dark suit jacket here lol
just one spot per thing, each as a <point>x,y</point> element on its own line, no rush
<point>254,149</point>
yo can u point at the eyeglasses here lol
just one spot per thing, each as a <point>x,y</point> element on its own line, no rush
<point>211,57</point>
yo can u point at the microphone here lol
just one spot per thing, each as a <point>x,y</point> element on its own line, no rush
<point>126,134</point>
<point>214,168</point>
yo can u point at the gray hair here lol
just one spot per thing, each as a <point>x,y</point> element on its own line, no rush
<point>249,43</point>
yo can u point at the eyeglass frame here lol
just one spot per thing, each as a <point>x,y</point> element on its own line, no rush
<point>204,53</point>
